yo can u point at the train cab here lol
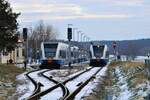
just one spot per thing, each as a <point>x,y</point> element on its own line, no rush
<point>99,55</point>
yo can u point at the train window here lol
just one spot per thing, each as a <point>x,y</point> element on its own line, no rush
<point>62,54</point>
<point>98,51</point>
<point>50,50</point>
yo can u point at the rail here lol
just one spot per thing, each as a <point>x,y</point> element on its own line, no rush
<point>65,94</point>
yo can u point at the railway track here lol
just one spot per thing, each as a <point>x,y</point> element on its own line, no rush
<point>66,94</point>
<point>64,89</point>
<point>37,83</point>
<point>72,95</point>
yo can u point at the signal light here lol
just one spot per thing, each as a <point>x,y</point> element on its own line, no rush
<point>114,44</point>
<point>25,35</point>
<point>69,33</point>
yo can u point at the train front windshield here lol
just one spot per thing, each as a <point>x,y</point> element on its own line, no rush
<point>98,51</point>
<point>50,50</point>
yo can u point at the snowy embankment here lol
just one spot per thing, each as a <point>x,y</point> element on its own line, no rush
<point>123,90</point>
<point>92,85</point>
<point>130,81</point>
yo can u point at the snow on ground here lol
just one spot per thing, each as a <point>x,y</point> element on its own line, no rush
<point>59,75</point>
<point>55,95</point>
<point>41,79</point>
<point>141,58</point>
<point>91,85</point>
<point>72,85</point>
<point>26,88</point>
<point>63,74</point>
<point>124,93</point>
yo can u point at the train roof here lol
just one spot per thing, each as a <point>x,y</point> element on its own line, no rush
<point>62,43</point>
<point>98,45</point>
<point>53,42</point>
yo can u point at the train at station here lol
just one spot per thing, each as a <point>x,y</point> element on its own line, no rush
<point>55,54</point>
<point>99,55</point>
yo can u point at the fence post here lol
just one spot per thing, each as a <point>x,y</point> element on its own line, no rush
<point>147,66</point>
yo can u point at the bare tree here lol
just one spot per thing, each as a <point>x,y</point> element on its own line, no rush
<point>41,33</point>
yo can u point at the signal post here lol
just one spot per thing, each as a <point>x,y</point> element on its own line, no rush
<point>69,34</point>
<point>25,35</point>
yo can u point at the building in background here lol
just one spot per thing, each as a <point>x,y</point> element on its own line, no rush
<point>17,55</point>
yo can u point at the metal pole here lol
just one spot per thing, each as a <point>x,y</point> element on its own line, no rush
<point>69,54</point>
<point>69,41</point>
<point>81,37</point>
<point>73,34</point>
<point>27,50</point>
<point>78,35</point>
<point>36,48</point>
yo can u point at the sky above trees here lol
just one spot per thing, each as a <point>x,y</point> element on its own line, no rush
<point>98,19</point>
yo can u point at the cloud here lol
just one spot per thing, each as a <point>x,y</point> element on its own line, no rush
<point>47,8</point>
<point>128,2</point>
<point>71,17</point>
<point>118,2</point>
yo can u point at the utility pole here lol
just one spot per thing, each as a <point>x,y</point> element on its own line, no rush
<point>69,32</point>
<point>81,36</point>
<point>73,34</point>
<point>114,47</point>
<point>78,35</point>
<point>25,37</point>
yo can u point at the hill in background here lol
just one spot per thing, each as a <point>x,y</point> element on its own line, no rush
<point>129,47</point>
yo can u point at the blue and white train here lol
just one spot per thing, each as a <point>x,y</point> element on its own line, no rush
<point>55,54</point>
<point>99,55</point>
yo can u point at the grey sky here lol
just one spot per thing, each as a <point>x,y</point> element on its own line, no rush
<point>98,19</point>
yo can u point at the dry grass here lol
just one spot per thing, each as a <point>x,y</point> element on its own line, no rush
<point>137,82</point>
<point>115,64</point>
<point>126,63</point>
<point>138,77</point>
<point>8,73</point>
<point>100,92</point>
